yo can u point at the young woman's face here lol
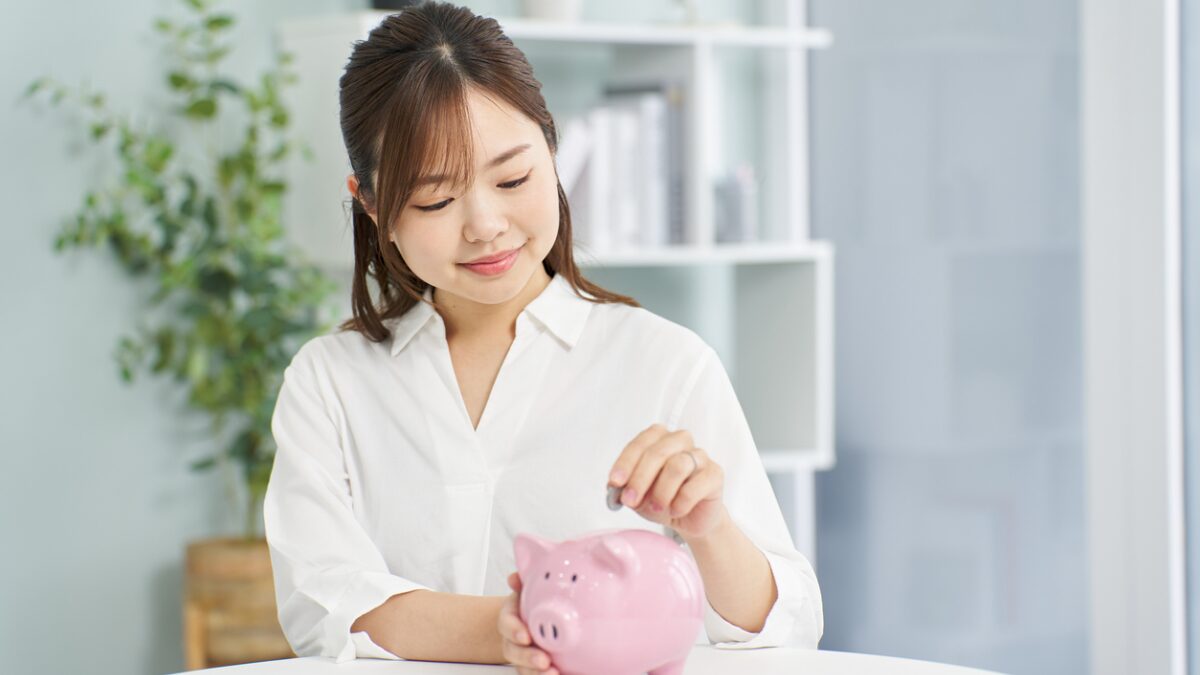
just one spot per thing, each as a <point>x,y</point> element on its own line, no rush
<point>511,205</point>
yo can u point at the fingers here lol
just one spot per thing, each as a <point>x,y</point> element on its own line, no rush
<point>516,642</point>
<point>623,468</point>
<point>676,469</point>
<point>514,581</point>
<point>511,627</point>
<point>532,659</point>
<point>660,460</point>
<point>699,486</point>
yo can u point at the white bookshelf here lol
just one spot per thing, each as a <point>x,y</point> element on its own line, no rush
<point>766,305</point>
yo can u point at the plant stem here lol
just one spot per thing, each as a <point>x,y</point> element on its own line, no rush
<point>251,520</point>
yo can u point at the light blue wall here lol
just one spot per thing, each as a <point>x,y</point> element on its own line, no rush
<point>1191,313</point>
<point>96,501</point>
<point>945,168</point>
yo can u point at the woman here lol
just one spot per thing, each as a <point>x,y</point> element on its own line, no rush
<point>475,401</point>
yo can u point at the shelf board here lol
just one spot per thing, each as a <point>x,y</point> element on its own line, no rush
<point>787,461</point>
<point>652,34</point>
<point>698,255</point>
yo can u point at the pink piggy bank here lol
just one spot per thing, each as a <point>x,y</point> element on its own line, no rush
<point>614,602</point>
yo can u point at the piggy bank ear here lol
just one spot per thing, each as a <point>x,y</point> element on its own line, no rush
<point>615,553</point>
<point>529,548</point>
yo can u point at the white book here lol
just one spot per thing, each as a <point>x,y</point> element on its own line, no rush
<point>573,148</point>
<point>657,159</point>
<point>599,215</point>
<point>626,176</point>
<point>654,185</point>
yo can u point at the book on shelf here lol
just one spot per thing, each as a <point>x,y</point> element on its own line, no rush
<point>735,205</point>
<point>622,165</point>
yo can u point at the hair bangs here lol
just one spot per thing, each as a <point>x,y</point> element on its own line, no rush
<point>447,155</point>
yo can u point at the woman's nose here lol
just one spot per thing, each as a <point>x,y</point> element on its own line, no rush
<point>485,219</point>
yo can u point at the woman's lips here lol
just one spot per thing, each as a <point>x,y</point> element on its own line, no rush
<point>493,268</point>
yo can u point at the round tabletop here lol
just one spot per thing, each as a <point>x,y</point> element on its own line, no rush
<point>704,660</point>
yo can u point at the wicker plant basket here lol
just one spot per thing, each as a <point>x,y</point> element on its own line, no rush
<point>229,614</point>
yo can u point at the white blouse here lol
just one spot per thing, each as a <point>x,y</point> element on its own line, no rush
<point>381,485</point>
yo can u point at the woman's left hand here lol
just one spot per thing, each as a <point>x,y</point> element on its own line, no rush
<point>663,484</point>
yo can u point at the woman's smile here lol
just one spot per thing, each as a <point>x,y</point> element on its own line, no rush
<point>494,268</point>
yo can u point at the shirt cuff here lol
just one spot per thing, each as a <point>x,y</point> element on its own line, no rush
<point>792,621</point>
<point>368,591</point>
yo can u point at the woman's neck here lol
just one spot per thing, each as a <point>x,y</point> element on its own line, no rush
<point>469,321</point>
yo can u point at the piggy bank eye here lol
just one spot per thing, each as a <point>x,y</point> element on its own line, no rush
<point>573,577</point>
<point>547,575</point>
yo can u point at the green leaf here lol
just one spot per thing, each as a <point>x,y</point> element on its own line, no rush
<point>197,363</point>
<point>181,81</point>
<point>99,129</point>
<point>194,308</point>
<point>157,153</point>
<point>244,445</point>
<point>36,86</point>
<point>163,26</point>
<point>203,108</point>
<point>218,22</point>
<point>209,215</point>
<point>217,282</point>
<point>226,85</point>
<point>128,355</point>
<point>164,341</point>
<point>214,55</point>
<point>279,152</point>
<point>204,464</point>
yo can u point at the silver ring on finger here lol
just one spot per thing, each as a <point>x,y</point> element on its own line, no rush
<point>695,462</point>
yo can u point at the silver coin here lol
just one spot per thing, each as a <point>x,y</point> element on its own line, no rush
<point>614,498</point>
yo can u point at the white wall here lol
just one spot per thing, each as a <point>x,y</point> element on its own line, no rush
<point>1190,46</point>
<point>945,141</point>
<point>96,501</point>
<point>1132,355</point>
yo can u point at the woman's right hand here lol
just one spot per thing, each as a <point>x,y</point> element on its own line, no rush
<point>518,649</point>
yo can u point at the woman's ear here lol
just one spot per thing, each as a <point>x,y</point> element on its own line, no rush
<point>352,185</point>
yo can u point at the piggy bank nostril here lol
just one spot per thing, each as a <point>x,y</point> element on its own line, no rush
<point>555,629</point>
<point>542,630</point>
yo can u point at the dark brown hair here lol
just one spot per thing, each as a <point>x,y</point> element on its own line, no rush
<point>404,109</point>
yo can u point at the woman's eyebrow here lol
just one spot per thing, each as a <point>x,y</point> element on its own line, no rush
<point>496,161</point>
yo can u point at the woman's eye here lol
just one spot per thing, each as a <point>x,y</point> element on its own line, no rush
<point>434,207</point>
<point>512,184</point>
<point>515,183</point>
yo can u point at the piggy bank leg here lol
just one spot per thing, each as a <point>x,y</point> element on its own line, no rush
<point>671,668</point>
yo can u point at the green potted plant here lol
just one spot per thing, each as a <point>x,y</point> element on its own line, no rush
<point>234,301</point>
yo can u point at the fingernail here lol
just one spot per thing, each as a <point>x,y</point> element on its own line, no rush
<point>629,496</point>
<point>618,477</point>
<point>655,507</point>
<point>542,661</point>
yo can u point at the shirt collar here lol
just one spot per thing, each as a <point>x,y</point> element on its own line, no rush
<point>557,308</point>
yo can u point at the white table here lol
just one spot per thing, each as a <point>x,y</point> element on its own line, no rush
<point>704,660</point>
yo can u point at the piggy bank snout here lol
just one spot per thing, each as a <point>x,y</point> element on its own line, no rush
<point>554,626</point>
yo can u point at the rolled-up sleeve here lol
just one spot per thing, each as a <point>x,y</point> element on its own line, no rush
<point>327,570</point>
<point>710,411</point>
